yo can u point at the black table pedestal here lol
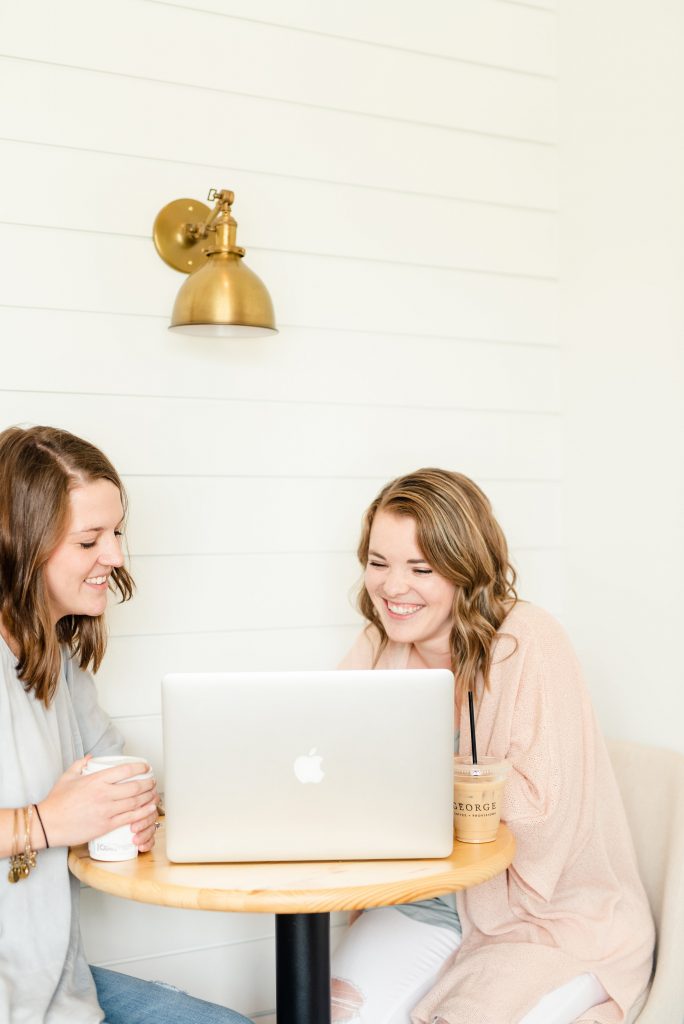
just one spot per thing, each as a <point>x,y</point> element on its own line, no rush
<point>303,968</point>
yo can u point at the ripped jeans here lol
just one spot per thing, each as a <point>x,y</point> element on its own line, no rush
<point>127,1000</point>
<point>391,957</point>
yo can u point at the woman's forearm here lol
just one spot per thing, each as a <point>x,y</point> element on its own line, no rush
<point>8,842</point>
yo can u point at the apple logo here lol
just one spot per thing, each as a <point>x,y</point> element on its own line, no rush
<point>307,767</point>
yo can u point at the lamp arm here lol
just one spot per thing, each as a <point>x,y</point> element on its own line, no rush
<point>224,202</point>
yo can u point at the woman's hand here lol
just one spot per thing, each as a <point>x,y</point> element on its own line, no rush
<point>82,807</point>
<point>145,832</point>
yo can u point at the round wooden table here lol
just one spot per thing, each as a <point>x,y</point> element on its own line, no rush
<point>301,895</point>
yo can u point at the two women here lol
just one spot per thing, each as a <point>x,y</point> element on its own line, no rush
<point>566,933</point>
<point>62,510</point>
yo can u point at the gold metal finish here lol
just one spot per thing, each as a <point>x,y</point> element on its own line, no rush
<point>222,296</point>
<point>223,293</point>
<point>174,242</point>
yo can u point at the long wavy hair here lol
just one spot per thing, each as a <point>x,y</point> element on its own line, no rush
<point>39,466</point>
<point>462,541</point>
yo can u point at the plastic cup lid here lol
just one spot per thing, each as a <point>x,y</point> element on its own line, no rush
<point>486,766</point>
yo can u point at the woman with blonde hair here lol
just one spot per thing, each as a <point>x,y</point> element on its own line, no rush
<point>62,514</point>
<point>566,933</point>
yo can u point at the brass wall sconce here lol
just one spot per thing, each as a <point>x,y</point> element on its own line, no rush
<point>222,298</point>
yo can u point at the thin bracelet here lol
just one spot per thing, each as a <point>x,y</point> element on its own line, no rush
<point>14,874</point>
<point>29,852</point>
<point>47,843</point>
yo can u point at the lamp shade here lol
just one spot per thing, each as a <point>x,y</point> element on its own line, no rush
<point>224,298</point>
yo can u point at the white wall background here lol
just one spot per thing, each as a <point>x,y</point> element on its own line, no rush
<point>396,177</point>
<point>622,311</point>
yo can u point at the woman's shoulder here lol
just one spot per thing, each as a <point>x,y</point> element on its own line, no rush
<point>363,652</point>
<point>368,651</point>
<point>527,625</point>
<point>526,619</point>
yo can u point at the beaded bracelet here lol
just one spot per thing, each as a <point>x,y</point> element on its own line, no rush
<point>22,863</point>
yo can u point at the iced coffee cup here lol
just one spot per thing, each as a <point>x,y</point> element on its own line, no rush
<point>478,792</point>
<point>117,844</point>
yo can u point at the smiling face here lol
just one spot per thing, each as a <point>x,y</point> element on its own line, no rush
<point>78,570</point>
<point>414,602</point>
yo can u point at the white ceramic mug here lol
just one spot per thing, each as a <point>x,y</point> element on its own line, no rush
<point>117,844</point>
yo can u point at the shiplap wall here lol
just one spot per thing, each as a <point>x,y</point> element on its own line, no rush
<point>395,174</point>
<point>622,328</point>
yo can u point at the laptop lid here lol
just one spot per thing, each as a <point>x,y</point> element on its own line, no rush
<point>276,766</point>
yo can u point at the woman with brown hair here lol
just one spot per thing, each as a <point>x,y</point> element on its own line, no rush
<point>566,933</point>
<point>62,514</point>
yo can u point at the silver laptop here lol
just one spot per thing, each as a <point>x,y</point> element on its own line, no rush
<point>335,765</point>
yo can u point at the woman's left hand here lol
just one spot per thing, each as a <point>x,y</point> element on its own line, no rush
<point>144,832</point>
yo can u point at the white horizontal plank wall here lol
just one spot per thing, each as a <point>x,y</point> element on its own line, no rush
<point>623,322</point>
<point>396,189</point>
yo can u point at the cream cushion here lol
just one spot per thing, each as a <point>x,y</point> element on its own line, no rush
<point>652,785</point>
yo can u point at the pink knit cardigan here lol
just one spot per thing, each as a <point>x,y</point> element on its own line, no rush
<point>572,901</point>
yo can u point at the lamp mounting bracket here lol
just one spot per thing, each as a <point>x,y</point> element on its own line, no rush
<point>177,234</point>
<point>184,224</point>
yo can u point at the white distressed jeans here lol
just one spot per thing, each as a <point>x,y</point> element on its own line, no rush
<point>388,961</point>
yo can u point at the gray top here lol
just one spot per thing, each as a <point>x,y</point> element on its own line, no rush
<point>44,976</point>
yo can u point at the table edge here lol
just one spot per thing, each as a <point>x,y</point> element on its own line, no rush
<point>292,901</point>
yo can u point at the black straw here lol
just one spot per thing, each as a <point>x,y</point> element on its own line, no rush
<point>473,741</point>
